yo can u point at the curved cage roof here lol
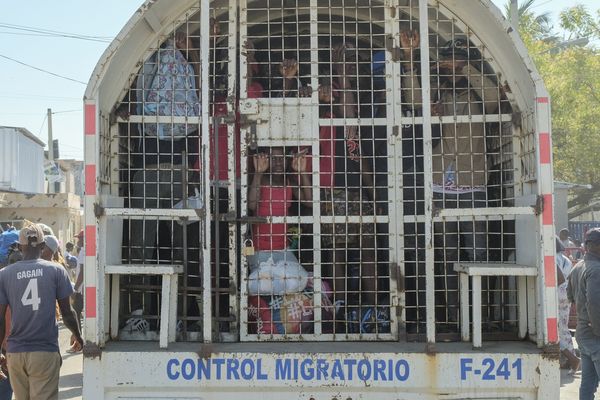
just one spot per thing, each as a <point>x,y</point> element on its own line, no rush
<point>155,18</point>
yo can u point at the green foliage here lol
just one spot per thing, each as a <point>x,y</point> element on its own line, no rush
<point>536,25</point>
<point>579,22</point>
<point>572,76</point>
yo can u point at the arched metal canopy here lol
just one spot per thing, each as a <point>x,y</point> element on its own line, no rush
<point>156,17</point>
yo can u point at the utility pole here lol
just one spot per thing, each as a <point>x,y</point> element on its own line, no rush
<point>514,14</point>
<point>51,186</point>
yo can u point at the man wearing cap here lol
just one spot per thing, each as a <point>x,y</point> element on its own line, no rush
<point>50,247</point>
<point>31,287</point>
<point>459,87</point>
<point>587,298</point>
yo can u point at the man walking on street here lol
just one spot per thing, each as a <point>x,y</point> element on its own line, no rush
<point>31,287</point>
<point>586,292</point>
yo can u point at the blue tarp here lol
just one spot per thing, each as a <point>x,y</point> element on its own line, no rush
<point>7,238</point>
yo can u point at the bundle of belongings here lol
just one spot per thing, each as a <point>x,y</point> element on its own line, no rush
<point>281,299</point>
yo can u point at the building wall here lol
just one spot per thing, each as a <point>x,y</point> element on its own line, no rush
<point>61,212</point>
<point>21,161</point>
<point>561,209</point>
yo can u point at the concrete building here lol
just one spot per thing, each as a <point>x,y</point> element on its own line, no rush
<point>60,211</point>
<point>21,161</point>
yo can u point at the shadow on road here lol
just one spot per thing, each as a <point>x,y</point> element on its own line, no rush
<point>72,393</point>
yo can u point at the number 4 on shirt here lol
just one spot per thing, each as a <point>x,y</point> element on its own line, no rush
<point>30,296</point>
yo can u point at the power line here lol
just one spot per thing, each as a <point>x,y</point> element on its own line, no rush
<point>42,70</point>
<point>35,97</point>
<point>48,32</point>
<point>72,147</point>
<point>541,4</point>
<point>43,123</point>
<point>67,111</point>
<point>15,95</point>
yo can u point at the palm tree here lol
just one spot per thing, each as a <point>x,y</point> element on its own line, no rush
<point>537,24</point>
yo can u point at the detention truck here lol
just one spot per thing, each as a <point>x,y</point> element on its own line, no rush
<point>318,199</point>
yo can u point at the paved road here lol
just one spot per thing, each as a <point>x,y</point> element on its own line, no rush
<point>71,376</point>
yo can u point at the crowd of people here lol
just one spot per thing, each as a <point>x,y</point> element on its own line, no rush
<point>578,283</point>
<point>40,285</point>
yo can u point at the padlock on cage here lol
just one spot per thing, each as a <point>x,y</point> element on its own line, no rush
<point>248,249</point>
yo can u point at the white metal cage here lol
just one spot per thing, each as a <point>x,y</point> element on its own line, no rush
<point>399,145</point>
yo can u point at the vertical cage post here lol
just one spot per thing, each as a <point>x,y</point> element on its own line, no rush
<point>427,153</point>
<point>205,89</point>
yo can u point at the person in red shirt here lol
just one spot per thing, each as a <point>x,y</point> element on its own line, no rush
<point>270,194</point>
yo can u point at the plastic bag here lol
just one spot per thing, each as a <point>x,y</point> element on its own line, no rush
<point>283,277</point>
<point>193,202</point>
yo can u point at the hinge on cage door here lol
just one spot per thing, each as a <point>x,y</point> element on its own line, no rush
<point>231,217</point>
<point>396,275</point>
<point>395,51</point>
<point>392,4</point>
<point>539,205</point>
<point>252,137</point>
<point>91,350</point>
<point>225,119</point>
<point>98,210</point>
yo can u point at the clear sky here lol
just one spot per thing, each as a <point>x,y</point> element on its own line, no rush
<point>26,94</point>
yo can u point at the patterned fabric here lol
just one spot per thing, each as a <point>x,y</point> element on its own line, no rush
<point>288,314</point>
<point>168,87</point>
<point>339,202</point>
<point>564,305</point>
<point>564,308</point>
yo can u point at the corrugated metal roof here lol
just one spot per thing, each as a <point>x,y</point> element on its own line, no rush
<point>24,132</point>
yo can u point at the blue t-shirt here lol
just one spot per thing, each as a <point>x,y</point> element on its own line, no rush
<point>31,288</point>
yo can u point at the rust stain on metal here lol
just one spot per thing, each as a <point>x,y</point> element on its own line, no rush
<point>397,275</point>
<point>551,352</point>
<point>430,349</point>
<point>91,350</point>
<point>432,364</point>
<point>205,352</point>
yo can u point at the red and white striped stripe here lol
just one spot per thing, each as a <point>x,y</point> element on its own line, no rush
<point>90,178</point>
<point>548,251</point>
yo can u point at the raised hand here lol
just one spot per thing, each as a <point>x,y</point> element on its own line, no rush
<point>341,66</point>
<point>299,162</point>
<point>305,91</point>
<point>261,163</point>
<point>409,41</point>
<point>454,68</point>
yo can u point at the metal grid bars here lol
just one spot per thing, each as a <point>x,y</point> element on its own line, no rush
<point>224,159</point>
<point>455,170</point>
<point>159,168</point>
<point>320,168</point>
<point>318,257</point>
